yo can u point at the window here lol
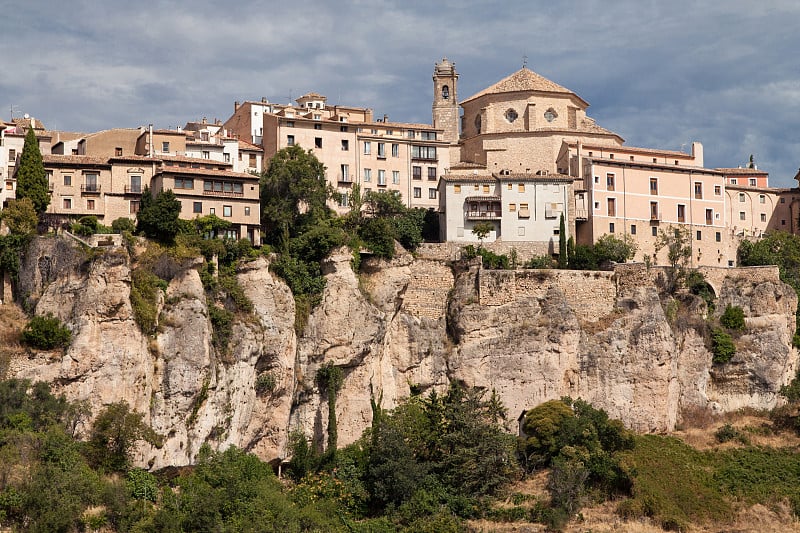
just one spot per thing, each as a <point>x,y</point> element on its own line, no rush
<point>653,185</point>
<point>610,182</point>
<point>710,217</point>
<point>136,184</point>
<point>204,136</point>
<point>252,163</point>
<point>512,207</point>
<point>290,140</point>
<point>382,150</point>
<point>596,180</point>
<point>344,200</point>
<point>611,227</point>
<point>395,176</point>
<point>485,189</point>
<point>343,129</point>
<point>699,235</point>
<point>345,173</point>
<point>733,181</point>
<point>423,152</point>
<point>752,182</point>
<point>247,211</point>
<point>428,135</point>
<point>165,146</point>
<point>381,177</point>
<point>227,211</point>
<point>226,157</point>
<point>681,213</point>
<point>762,199</point>
<point>184,183</point>
<point>317,142</point>
<point>67,180</point>
<point>432,194</point>
<point>521,187</point>
<point>698,190</point>
<point>367,147</point>
<point>718,236</point>
<point>612,207</point>
<point>91,183</point>
<point>134,207</point>
<point>431,173</point>
<point>783,200</point>
<point>742,215</point>
<point>206,154</point>
<point>654,214</point>
<point>445,92</point>
<point>510,187</point>
<point>416,173</point>
<point>524,212</point>
<point>457,188</point>
<point>654,231</point>
<point>118,151</point>
<point>410,134</point>
<point>212,210</point>
<point>633,229</point>
<point>197,207</point>
<point>417,192</point>
<point>67,203</point>
<point>290,123</point>
<point>367,175</point>
<point>345,145</point>
<point>317,126</point>
<point>741,197</point>
<point>12,154</point>
<point>90,205</point>
<point>763,217</point>
<point>717,190</point>
<point>597,205</point>
<point>783,222</point>
<point>395,150</point>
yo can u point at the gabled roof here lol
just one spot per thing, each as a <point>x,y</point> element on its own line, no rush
<point>524,80</point>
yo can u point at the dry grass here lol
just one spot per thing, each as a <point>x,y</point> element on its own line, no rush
<point>12,321</point>
<point>699,428</point>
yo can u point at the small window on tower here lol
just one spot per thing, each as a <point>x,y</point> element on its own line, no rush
<point>445,92</point>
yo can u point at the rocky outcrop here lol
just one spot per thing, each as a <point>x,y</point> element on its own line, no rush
<point>409,324</point>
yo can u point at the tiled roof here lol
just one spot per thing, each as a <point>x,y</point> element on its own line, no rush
<point>397,125</point>
<point>135,158</point>
<point>746,171</point>
<point>466,165</point>
<point>184,159</point>
<point>633,150</point>
<point>661,166</point>
<point>522,80</point>
<point>244,145</point>
<point>55,159</point>
<point>527,176</point>
<point>475,178</point>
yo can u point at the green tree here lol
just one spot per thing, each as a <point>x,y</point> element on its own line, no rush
<point>330,378</point>
<point>611,248</point>
<point>722,346</point>
<point>46,333</point>
<point>31,175</point>
<point>678,242</point>
<point>20,217</point>
<point>563,253</point>
<point>482,230</point>
<point>571,252</point>
<point>114,433</point>
<point>733,318</point>
<point>158,216</point>
<point>294,193</point>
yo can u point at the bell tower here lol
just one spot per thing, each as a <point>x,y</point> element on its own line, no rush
<point>445,100</point>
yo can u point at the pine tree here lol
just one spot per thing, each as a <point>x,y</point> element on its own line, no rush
<point>562,243</point>
<point>31,176</point>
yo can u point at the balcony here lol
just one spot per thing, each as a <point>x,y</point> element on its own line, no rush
<point>227,194</point>
<point>581,214</point>
<point>344,179</point>
<point>484,215</point>
<point>655,216</point>
<point>133,190</point>
<point>90,188</point>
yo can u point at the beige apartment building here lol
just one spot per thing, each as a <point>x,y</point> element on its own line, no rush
<point>355,148</point>
<point>12,140</point>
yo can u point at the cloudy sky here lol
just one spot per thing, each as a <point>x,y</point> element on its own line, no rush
<point>659,73</point>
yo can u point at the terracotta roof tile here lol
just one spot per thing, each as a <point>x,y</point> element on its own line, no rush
<point>184,159</point>
<point>208,172</point>
<point>522,80</point>
<point>55,159</point>
<point>244,145</point>
<point>747,171</point>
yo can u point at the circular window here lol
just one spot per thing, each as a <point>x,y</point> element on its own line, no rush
<point>478,123</point>
<point>511,115</point>
<point>550,115</point>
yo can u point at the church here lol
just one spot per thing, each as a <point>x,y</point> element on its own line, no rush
<point>524,153</point>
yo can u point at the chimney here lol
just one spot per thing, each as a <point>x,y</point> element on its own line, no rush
<point>385,117</point>
<point>236,106</point>
<point>263,99</point>
<point>205,121</point>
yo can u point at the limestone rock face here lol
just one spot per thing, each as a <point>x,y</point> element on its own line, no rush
<point>407,325</point>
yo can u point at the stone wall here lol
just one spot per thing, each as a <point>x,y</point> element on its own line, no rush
<point>427,290</point>
<point>591,294</point>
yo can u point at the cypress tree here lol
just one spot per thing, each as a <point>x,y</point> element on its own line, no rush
<point>562,243</point>
<point>31,176</point>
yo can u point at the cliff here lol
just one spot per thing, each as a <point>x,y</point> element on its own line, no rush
<point>397,326</point>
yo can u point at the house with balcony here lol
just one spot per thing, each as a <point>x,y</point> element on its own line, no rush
<point>524,209</point>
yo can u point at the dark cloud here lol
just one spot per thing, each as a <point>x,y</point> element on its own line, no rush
<point>660,74</point>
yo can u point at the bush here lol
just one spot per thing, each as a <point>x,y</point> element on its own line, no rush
<point>539,262</point>
<point>265,383</point>
<point>46,333</point>
<point>722,346</point>
<point>378,237</point>
<point>123,224</point>
<point>728,433</point>
<point>733,318</point>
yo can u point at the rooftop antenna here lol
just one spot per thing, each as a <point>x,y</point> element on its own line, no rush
<point>11,110</point>
<point>683,147</point>
<point>524,61</point>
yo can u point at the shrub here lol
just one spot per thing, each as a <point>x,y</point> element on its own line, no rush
<point>144,298</point>
<point>123,224</point>
<point>222,324</point>
<point>265,383</point>
<point>728,433</point>
<point>722,346</point>
<point>378,236</point>
<point>697,285</point>
<point>46,333</point>
<point>539,262</point>
<point>733,318</point>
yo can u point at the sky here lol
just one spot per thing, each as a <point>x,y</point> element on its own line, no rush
<point>659,73</point>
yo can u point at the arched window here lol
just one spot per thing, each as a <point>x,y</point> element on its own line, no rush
<point>445,92</point>
<point>478,123</point>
